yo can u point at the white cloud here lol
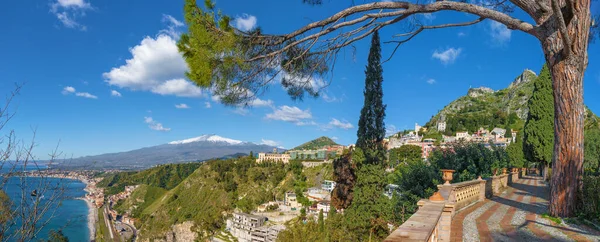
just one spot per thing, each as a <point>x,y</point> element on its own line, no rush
<point>172,26</point>
<point>86,95</point>
<point>260,103</point>
<point>448,56</point>
<point>170,19</point>
<point>73,3</point>
<point>340,124</point>
<point>461,34</point>
<point>292,115</point>
<point>241,111</point>
<point>152,124</point>
<point>66,11</point>
<point>115,93</point>
<point>308,123</point>
<point>178,87</point>
<point>207,105</point>
<point>499,32</point>
<point>245,22</point>
<point>431,81</point>
<point>269,142</point>
<point>328,98</point>
<point>156,66</point>
<point>390,130</point>
<point>182,106</point>
<point>68,90</point>
<point>429,16</point>
<point>334,138</point>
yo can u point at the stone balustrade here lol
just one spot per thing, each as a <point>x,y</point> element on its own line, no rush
<point>468,192</point>
<point>432,221</point>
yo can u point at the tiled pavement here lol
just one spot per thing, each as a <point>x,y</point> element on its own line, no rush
<point>516,215</point>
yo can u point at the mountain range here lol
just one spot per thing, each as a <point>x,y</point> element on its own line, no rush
<point>199,148</point>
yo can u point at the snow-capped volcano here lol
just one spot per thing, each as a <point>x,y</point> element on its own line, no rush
<point>200,148</point>
<point>209,138</point>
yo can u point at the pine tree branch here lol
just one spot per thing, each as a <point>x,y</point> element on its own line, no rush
<point>562,27</point>
<point>416,32</point>
<point>402,11</point>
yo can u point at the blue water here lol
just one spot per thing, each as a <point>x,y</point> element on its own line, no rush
<point>70,216</point>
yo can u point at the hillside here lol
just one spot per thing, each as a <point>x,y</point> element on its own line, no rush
<point>483,107</point>
<point>200,148</point>
<point>316,144</point>
<point>164,176</point>
<point>199,204</point>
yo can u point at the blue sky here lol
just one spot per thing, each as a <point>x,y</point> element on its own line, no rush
<point>102,76</point>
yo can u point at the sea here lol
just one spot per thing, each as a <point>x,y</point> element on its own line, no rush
<point>71,216</point>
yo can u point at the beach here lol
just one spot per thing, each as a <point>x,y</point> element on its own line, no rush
<point>92,213</point>
<point>92,217</point>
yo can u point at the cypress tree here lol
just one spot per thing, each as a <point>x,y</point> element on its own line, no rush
<point>369,211</point>
<point>371,128</point>
<point>538,143</point>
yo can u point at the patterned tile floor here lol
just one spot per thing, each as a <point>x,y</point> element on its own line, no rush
<point>516,215</point>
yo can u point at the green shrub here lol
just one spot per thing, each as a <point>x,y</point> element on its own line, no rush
<point>590,198</point>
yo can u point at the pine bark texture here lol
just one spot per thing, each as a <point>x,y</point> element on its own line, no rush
<point>567,76</point>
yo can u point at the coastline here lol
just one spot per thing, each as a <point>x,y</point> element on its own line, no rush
<point>92,212</point>
<point>91,219</point>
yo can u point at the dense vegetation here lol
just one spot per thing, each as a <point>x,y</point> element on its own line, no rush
<point>163,176</point>
<point>506,108</point>
<point>316,144</point>
<point>209,193</point>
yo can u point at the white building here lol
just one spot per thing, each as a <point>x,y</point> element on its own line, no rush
<point>441,126</point>
<point>323,206</point>
<point>291,200</point>
<point>463,135</point>
<point>262,157</point>
<point>498,133</point>
<point>242,225</point>
<point>267,233</point>
<point>328,185</point>
<point>417,128</point>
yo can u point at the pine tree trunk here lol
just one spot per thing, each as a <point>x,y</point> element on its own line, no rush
<point>567,82</point>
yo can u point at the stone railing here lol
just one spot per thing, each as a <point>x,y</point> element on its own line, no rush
<point>514,175</point>
<point>468,192</point>
<point>496,185</point>
<point>424,225</point>
<point>433,220</point>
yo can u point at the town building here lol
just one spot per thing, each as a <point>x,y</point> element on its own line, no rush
<point>498,133</point>
<point>417,128</point>
<point>273,157</point>
<point>328,185</point>
<point>325,153</point>
<point>441,126</point>
<point>242,225</point>
<point>323,206</point>
<point>266,233</point>
<point>463,136</point>
<point>317,194</point>
<point>291,200</point>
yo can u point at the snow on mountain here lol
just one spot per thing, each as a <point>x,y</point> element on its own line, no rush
<point>209,138</point>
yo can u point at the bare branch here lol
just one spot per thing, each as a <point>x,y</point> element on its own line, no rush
<point>416,32</point>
